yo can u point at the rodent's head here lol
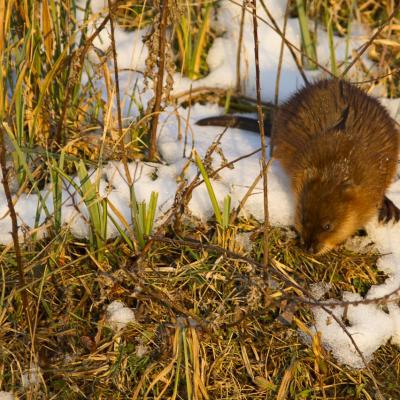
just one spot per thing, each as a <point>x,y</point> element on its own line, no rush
<point>326,214</point>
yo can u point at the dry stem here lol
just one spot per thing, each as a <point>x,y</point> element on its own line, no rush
<point>121,138</point>
<point>160,79</point>
<point>263,144</point>
<point>14,231</point>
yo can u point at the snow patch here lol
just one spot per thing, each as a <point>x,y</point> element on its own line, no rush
<point>119,315</point>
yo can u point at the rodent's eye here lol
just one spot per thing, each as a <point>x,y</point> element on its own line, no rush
<point>327,227</point>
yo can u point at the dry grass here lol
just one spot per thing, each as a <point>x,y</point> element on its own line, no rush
<point>207,326</point>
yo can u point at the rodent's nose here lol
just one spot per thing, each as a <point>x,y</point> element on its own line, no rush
<point>311,249</point>
<point>307,245</point>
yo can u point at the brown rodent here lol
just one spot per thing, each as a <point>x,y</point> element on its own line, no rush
<point>339,147</point>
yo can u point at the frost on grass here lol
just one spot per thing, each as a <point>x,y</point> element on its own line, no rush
<point>369,325</point>
<point>118,315</point>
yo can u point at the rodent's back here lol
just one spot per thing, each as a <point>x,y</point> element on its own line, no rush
<point>328,106</point>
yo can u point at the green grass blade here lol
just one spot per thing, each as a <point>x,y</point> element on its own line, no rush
<point>151,212</point>
<point>200,42</point>
<point>308,44</point>
<point>329,29</point>
<point>136,219</point>
<point>210,190</point>
<point>226,212</point>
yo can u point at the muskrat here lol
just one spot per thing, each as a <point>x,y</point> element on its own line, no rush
<point>339,147</point>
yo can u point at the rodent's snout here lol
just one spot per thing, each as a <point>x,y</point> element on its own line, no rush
<point>308,246</point>
<point>311,246</point>
<point>305,245</point>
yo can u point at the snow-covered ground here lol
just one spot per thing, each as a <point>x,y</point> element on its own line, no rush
<point>370,325</point>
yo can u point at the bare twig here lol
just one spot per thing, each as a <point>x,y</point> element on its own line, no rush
<point>160,80</point>
<point>121,138</point>
<point>14,231</point>
<point>281,51</point>
<point>263,144</point>
<point>184,192</point>
<point>377,78</point>
<point>385,299</point>
<point>239,49</point>
<point>230,163</point>
<point>187,123</point>
<point>245,197</point>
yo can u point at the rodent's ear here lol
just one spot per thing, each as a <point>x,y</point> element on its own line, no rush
<point>341,123</point>
<point>350,188</point>
<point>348,182</point>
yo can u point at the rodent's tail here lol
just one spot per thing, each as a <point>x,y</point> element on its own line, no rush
<point>234,121</point>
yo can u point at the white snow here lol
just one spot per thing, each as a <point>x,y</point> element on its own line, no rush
<point>119,315</point>
<point>32,377</point>
<point>6,395</point>
<point>141,350</point>
<point>370,325</point>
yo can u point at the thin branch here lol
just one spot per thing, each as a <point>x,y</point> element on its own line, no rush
<point>263,144</point>
<point>229,164</point>
<point>385,299</point>
<point>281,51</point>
<point>114,51</point>
<point>245,197</point>
<point>160,80</point>
<point>309,299</point>
<point>239,49</point>
<point>14,231</point>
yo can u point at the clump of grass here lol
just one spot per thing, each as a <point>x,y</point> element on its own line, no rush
<point>194,38</point>
<point>97,208</point>
<point>143,217</point>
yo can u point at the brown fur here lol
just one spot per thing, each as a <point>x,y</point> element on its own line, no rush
<point>340,148</point>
